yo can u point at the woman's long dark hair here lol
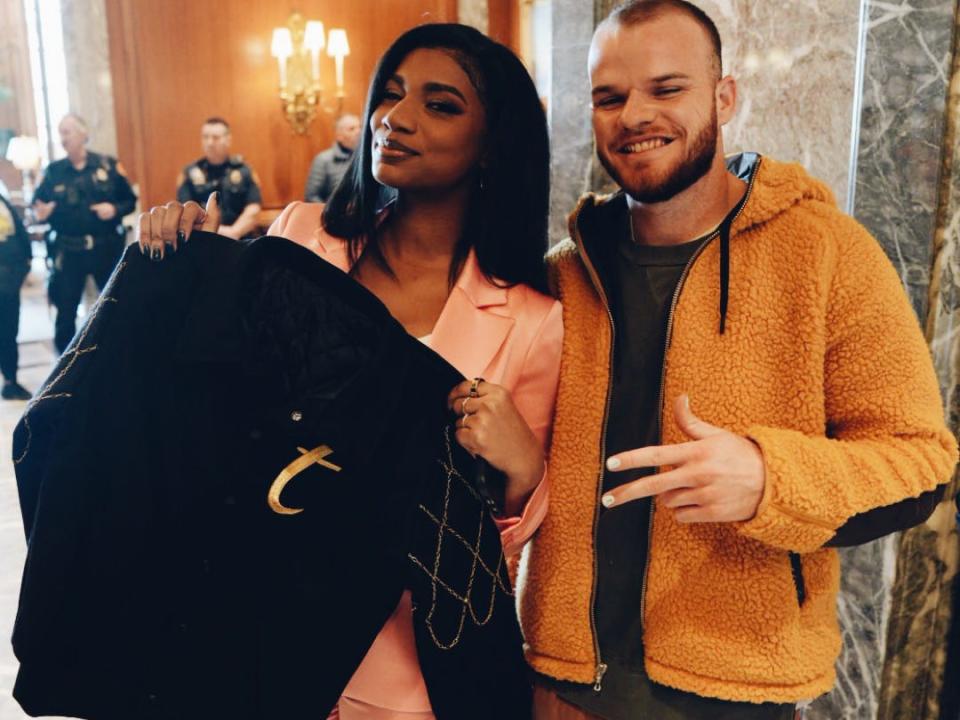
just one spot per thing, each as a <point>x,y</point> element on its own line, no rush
<point>506,222</point>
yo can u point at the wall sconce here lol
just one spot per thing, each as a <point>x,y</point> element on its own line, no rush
<point>297,50</point>
<point>23,152</point>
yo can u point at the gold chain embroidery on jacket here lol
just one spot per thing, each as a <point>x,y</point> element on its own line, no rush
<point>438,584</point>
<point>74,351</point>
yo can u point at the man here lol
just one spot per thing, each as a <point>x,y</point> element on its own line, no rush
<point>15,254</point>
<point>84,197</point>
<point>227,174</point>
<point>743,385</point>
<point>329,166</point>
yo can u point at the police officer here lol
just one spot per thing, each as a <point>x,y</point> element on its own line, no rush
<point>218,170</point>
<point>15,256</point>
<point>84,197</point>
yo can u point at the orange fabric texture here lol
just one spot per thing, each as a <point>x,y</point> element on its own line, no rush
<point>824,366</point>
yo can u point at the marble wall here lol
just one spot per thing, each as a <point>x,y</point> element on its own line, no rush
<point>796,68</point>
<point>907,66</point>
<point>89,81</point>
<point>571,135</point>
<point>855,91</point>
<point>475,13</point>
<point>898,145</point>
<point>914,676</point>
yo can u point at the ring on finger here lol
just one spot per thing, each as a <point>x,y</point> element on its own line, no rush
<point>475,386</point>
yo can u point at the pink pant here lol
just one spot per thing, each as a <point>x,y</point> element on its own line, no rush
<point>348,709</point>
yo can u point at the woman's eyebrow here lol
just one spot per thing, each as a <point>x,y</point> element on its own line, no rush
<point>441,87</point>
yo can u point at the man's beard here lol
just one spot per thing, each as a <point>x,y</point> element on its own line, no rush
<point>694,166</point>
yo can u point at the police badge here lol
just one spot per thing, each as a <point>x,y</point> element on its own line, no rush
<point>101,175</point>
<point>197,176</point>
<point>6,223</point>
<point>236,177</point>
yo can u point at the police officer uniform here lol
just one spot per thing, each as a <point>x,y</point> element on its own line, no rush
<point>234,179</point>
<point>15,255</point>
<point>82,244</point>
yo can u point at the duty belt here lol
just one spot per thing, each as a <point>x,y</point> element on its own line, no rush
<point>77,242</point>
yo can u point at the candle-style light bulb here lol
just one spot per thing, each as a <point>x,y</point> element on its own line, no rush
<point>282,48</point>
<point>338,48</point>
<point>313,40</point>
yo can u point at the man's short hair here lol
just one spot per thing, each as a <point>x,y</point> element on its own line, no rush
<point>77,120</point>
<point>635,12</point>
<point>216,120</point>
<point>344,118</point>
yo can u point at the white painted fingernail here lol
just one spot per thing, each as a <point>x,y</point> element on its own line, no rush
<point>607,500</point>
<point>613,463</point>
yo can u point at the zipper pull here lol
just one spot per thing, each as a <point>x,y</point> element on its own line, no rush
<point>598,678</point>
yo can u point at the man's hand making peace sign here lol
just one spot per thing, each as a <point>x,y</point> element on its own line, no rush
<point>717,476</point>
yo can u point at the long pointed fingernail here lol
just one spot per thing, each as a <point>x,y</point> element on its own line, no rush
<point>608,501</point>
<point>613,463</point>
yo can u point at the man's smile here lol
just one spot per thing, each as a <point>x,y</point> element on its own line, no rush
<point>643,145</point>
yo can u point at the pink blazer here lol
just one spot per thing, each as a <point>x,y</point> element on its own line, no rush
<point>509,336</point>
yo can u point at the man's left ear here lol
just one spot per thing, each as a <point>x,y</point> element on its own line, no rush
<point>726,96</point>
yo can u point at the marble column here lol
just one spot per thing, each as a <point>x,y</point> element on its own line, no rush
<point>907,64</point>
<point>89,82</point>
<point>898,141</point>
<point>927,564</point>
<point>571,135</point>
<point>475,13</point>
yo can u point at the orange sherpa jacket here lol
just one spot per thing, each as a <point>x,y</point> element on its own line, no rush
<point>822,364</point>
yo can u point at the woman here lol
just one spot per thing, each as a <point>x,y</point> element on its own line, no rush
<point>456,137</point>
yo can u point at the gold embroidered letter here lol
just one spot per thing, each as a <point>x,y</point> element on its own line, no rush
<point>306,459</point>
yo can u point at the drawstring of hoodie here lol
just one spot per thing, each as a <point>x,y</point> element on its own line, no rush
<point>748,174</point>
<point>725,270</point>
<point>725,227</point>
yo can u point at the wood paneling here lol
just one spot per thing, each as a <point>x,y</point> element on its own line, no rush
<point>16,111</point>
<point>504,23</point>
<point>177,62</point>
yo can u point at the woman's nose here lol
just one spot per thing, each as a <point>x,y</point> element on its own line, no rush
<point>398,117</point>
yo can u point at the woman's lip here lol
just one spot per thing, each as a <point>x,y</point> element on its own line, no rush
<point>392,148</point>
<point>391,154</point>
